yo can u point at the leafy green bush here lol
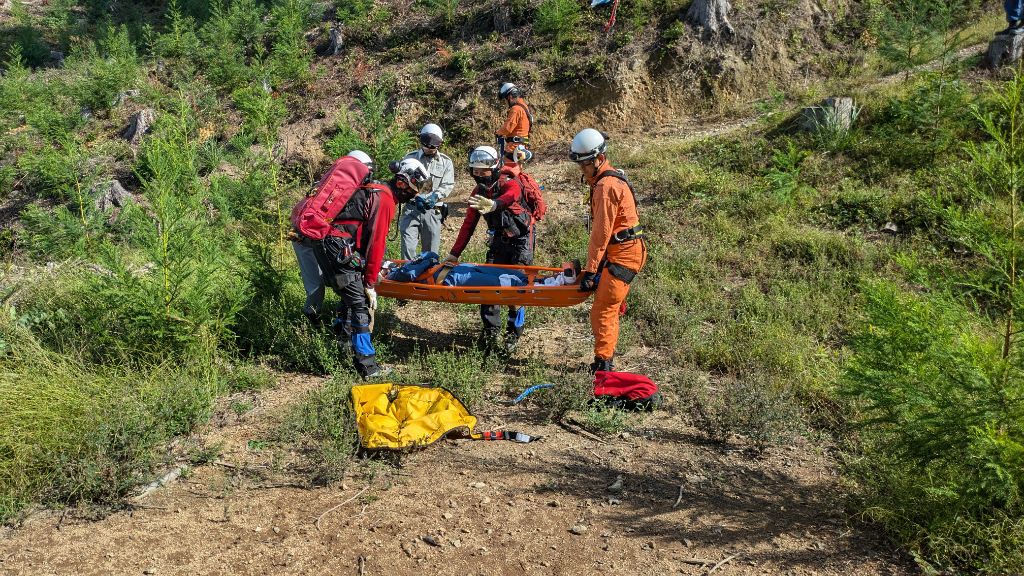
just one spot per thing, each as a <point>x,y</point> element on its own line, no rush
<point>25,36</point>
<point>271,325</point>
<point>378,133</point>
<point>107,68</point>
<point>941,425</point>
<point>232,39</point>
<point>262,112</point>
<point>290,54</point>
<point>557,19</point>
<point>459,372</point>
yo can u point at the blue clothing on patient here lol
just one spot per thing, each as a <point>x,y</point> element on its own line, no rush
<point>473,275</point>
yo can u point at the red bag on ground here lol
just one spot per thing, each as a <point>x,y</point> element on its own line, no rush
<point>627,390</point>
<point>313,216</point>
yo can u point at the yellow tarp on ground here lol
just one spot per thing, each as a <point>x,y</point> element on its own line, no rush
<point>391,416</point>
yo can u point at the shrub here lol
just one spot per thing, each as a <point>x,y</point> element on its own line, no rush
<point>941,426</point>
<point>106,69</point>
<point>324,428</point>
<point>377,134</point>
<point>262,112</point>
<point>271,325</point>
<point>557,18</point>
<point>459,372</point>
<point>71,432</point>
<point>290,54</point>
<point>758,409</point>
<point>231,39</point>
<point>25,36</point>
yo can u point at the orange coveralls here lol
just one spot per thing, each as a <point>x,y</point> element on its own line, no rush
<point>517,124</point>
<point>612,209</point>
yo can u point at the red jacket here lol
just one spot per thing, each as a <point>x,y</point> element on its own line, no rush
<point>507,193</point>
<point>369,229</point>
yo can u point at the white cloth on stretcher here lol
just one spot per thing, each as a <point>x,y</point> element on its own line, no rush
<point>562,279</point>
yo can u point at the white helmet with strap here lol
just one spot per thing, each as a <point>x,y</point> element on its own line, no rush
<point>413,174</point>
<point>587,144</point>
<point>485,157</point>
<point>508,89</point>
<point>431,135</point>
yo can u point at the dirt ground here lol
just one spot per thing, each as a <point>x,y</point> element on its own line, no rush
<point>659,500</point>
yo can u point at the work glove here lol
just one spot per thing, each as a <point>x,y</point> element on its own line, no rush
<point>421,204</point>
<point>588,282</point>
<point>371,297</point>
<point>482,205</point>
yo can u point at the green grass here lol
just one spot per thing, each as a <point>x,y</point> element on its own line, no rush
<point>73,433</point>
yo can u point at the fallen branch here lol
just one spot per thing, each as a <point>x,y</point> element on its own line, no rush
<point>725,561</point>
<point>147,506</point>
<point>319,518</point>
<point>362,565</point>
<point>167,478</point>
<point>580,431</point>
<point>680,498</point>
<point>698,561</point>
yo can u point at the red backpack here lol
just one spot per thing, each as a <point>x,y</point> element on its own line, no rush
<point>627,390</point>
<point>313,216</point>
<point>533,201</point>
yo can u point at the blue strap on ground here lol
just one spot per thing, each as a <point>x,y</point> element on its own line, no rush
<point>531,390</point>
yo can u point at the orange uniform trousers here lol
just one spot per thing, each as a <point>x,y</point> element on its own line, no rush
<point>611,293</point>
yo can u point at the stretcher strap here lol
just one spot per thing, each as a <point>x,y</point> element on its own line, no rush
<point>611,21</point>
<point>505,435</point>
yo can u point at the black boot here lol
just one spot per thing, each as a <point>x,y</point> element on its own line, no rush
<point>601,365</point>
<point>512,335</point>
<point>488,340</point>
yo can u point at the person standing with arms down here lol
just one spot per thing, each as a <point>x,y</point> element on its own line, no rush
<point>420,224</point>
<point>498,198</point>
<point>617,250</point>
<point>518,123</point>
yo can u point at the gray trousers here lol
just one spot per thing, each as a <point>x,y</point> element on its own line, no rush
<point>312,278</point>
<point>419,230</point>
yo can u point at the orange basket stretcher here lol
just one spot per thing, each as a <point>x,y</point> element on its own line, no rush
<point>529,295</point>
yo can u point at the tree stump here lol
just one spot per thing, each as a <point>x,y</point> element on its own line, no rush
<point>835,114</point>
<point>139,124</point>
<point>337,39</point>
<point>1004,49</point>
<point>710,15</point>
<point>111,195</point>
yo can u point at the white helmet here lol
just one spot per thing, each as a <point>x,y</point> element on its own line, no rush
<point>484,157</point>
<point>508,89</point>
<point>431,135</point>
<point>412,172</point>
<point>587,144</point>
<point>362,157</point>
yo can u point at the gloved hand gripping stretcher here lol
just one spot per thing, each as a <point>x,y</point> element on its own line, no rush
<point>493,284</point>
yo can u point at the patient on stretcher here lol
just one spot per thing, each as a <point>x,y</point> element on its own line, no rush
<point>427,269</point>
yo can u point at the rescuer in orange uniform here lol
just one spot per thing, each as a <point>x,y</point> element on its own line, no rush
<point>519,122</point>
<point>617,250</point>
